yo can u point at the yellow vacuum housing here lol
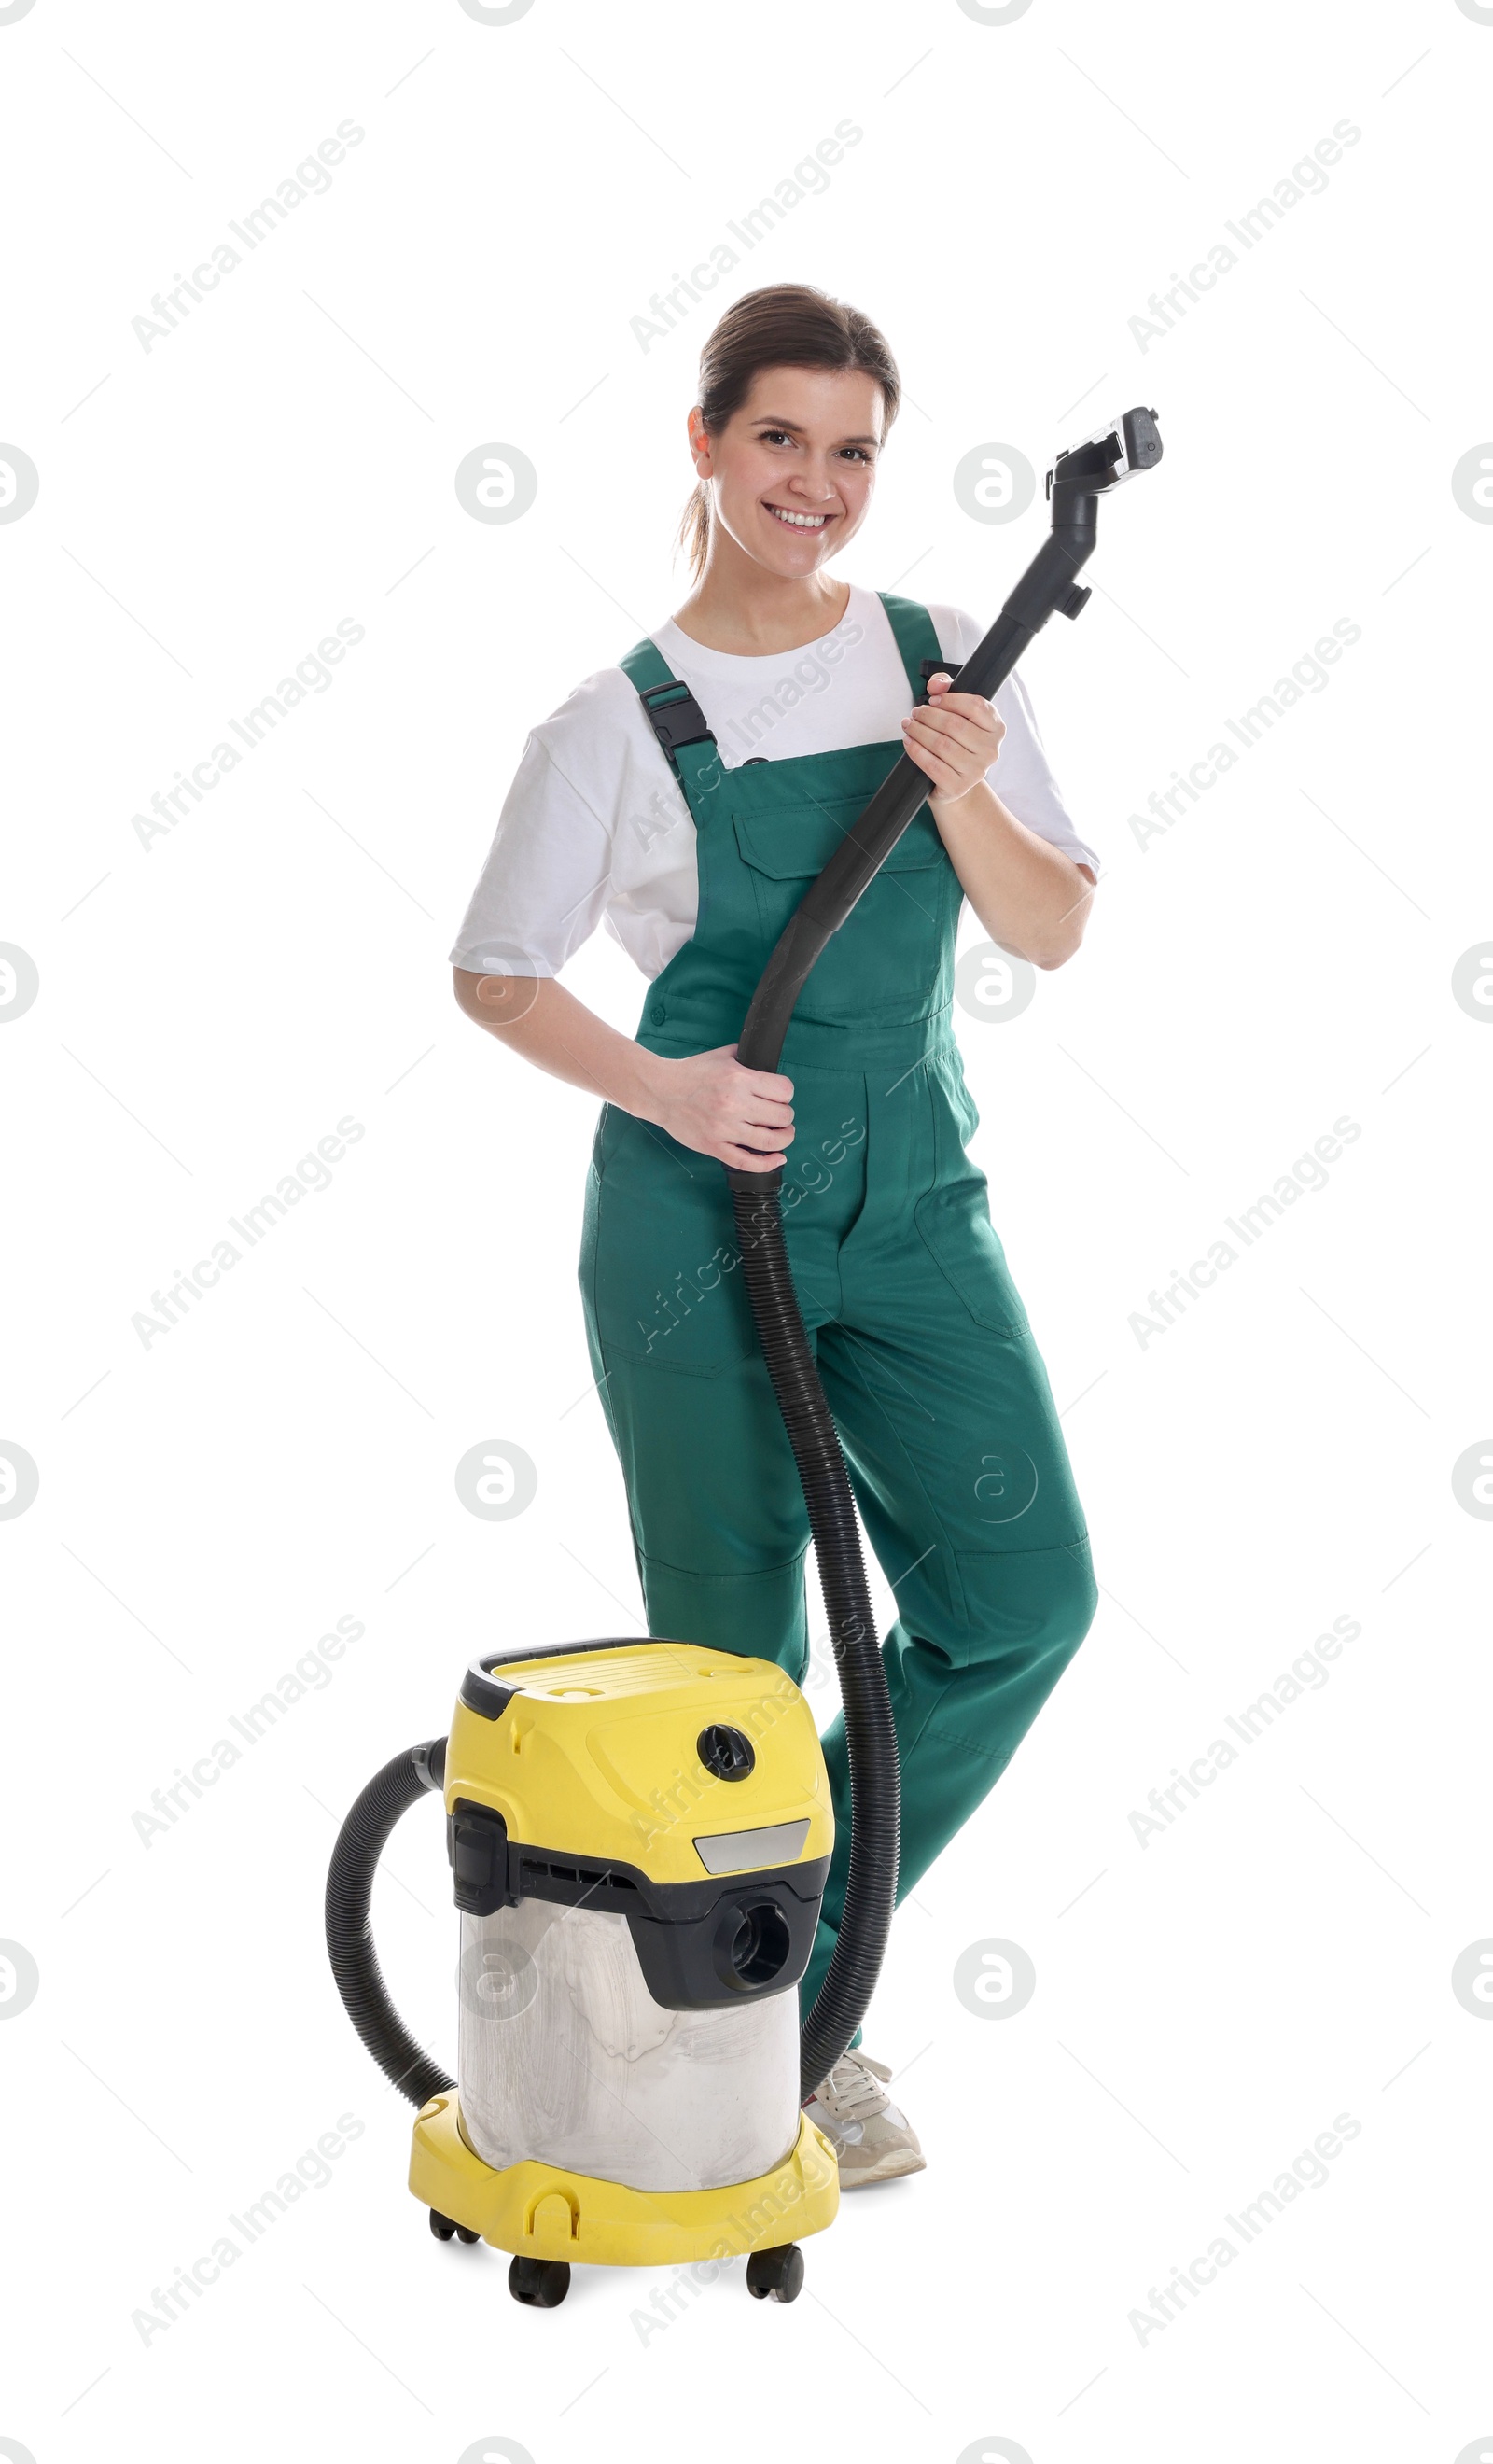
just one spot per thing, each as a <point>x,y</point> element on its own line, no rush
<point>639,1834</point>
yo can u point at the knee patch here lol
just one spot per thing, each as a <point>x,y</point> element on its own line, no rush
<point>758,1614</point>
<point>1033,1605</point>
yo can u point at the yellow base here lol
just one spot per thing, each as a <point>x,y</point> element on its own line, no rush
<point>538,2212</point>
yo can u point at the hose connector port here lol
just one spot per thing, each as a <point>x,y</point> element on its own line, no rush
<point>752,1945</point>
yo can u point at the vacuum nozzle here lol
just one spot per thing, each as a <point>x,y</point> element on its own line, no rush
<point>1130,443</point>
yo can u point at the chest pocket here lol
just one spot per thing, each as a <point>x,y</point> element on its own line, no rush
<point>887,960</point>
<point>797,841</point>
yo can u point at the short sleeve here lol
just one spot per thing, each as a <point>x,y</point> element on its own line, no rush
<point>1021,774</point>
<point>543,888</point>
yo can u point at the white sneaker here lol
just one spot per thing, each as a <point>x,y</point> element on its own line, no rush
<point>872,2139</point>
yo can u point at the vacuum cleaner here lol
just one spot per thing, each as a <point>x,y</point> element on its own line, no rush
<point>639,1830</point>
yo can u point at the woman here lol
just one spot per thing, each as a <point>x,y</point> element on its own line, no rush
<point>805,690</point>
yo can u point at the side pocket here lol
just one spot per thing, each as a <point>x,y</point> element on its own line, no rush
<point>953,1219</point>
<point>953,1215</point>
<point>659,1261</point>
<point>604,1140</point>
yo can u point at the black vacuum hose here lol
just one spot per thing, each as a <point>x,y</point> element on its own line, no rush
<point>349,1937</point>
<point>871,1738</point>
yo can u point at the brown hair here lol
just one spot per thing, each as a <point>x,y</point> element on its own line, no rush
<point>784,325</point>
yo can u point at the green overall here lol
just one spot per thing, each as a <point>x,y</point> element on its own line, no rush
<point>942,1402</point>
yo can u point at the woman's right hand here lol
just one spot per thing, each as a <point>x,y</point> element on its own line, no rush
<point>708,1101</point>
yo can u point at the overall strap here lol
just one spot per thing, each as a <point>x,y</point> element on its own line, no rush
<point>674,713</point>
<point>917,640</point>
<point>676,718</point>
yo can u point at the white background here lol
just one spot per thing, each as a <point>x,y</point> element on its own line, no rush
<point>1206,2004</point>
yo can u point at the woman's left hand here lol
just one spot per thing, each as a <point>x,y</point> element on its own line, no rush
<point>954,738</point>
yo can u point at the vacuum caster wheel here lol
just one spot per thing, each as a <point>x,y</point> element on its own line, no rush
<point>775,2274</point>
<point>441,2225</point>
<point>541,2282</point>
<point>464,2233</point>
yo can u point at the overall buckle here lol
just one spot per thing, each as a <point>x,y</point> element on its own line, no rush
<point>676,722</point>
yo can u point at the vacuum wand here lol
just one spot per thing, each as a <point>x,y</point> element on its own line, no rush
<point>1079,476</point>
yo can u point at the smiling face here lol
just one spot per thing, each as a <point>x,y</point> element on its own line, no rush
<point>791,472</point>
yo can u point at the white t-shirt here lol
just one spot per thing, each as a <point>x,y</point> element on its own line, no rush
<point>595,828</point>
